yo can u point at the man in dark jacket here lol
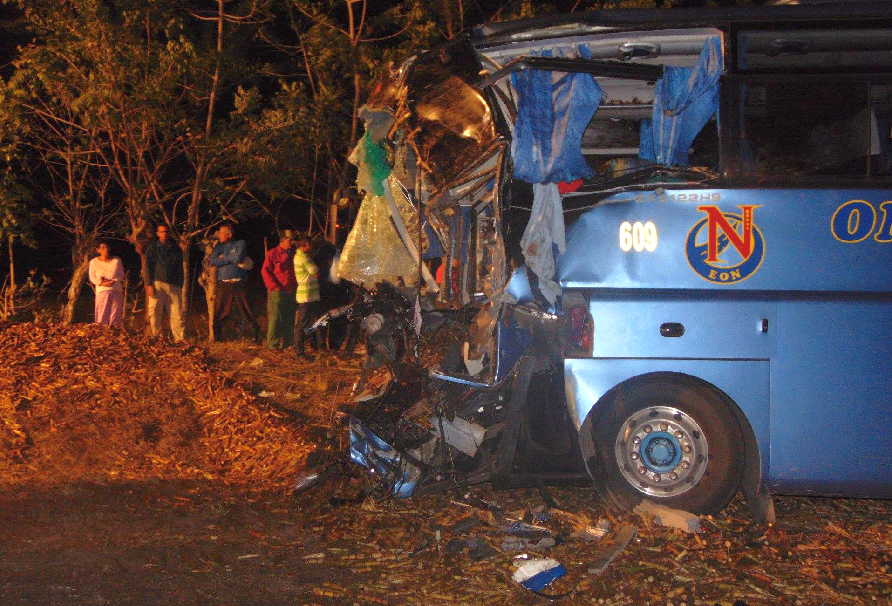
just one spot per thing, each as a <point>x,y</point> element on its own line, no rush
<point>231,261</point>
<point>164,282</point>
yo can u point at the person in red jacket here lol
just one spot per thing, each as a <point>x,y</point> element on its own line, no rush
<point>278,276</point>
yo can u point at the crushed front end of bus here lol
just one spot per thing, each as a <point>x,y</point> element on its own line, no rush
<point>584,246</point>
<point>472,156</point>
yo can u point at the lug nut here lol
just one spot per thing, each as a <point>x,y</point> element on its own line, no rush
<point>642,469</point>
<point>685,465</point>
<point>679,435</point>
<point>636,440</point>
<point>634,456</point>
<point>656,477</point>
<point>673,476</point>
<point>686,448</point>
<point>664,426</point>
<point>647,429</point>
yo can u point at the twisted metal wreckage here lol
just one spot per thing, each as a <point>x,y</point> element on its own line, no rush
<point>475,153</point>
<point>458,141</point>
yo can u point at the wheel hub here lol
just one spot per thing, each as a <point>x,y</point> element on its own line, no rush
<point>661,451</point>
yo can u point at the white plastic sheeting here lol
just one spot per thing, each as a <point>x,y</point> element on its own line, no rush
<point>543,236</point>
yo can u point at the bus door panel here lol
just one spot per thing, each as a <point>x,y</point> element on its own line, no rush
<point>682,325</point>
<point>831,394</point>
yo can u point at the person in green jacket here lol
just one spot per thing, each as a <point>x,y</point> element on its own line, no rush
<point>307,294</point>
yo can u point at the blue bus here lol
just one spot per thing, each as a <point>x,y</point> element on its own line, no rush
<point>676,227</point>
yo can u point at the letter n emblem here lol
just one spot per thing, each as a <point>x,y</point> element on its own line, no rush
<point>716,221</point>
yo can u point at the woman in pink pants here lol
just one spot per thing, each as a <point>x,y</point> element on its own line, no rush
<point>107,275</point>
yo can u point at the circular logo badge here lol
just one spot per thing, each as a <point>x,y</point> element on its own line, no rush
<point>727,259</point>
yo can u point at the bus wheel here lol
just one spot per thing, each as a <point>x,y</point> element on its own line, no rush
<point>672,441</point>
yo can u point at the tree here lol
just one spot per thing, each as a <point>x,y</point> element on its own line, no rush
<point>95,134</point>
<point>208,144</point>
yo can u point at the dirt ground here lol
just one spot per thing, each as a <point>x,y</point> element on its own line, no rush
<point>206,542</point>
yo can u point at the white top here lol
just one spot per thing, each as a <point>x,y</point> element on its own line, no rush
<point>111,269</point>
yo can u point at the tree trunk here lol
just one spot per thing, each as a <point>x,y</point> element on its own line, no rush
<point>209,281</point>
<point>12,284</point>
<point>74,289</point>
<point>186,291</point>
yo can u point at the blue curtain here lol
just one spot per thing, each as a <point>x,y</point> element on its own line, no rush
<point>686,98</point>
<point>553,110</point>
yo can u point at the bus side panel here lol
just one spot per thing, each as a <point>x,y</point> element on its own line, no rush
<point>831,396</point>
<point>746,382</point>
<point>631,324</point>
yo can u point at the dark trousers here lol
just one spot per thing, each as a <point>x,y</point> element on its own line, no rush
<point>280,306</point>
<point>229,293</point>
<point>306,314</point>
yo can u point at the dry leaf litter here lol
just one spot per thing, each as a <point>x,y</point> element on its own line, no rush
<point>85,403</point>
<point>82,403</point>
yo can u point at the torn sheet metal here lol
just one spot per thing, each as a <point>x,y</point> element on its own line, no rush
<point>451,120</point>
<point>460,434</point>
<point>373,453</point>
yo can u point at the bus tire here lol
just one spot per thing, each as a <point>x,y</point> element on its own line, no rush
<point>672,440</point>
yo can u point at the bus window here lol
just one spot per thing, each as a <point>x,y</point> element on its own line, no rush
<point>814,128</point>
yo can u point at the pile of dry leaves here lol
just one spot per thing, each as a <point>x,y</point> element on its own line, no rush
<point>83,403</point>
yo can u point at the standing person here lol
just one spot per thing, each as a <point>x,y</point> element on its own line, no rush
<point>107,275</point>
<point>232,266</point>
<point>307,275</point>
<point>164,281</point>
<point>278,276</point>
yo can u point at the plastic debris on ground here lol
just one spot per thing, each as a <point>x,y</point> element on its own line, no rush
<point>623,537</point>
<point>521,544</point>
<point>667,516</point>
<point>536,575</point>
<point>591,534</point>
<point>306,480</point>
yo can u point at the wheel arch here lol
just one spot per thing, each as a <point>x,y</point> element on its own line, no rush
<point>750,484</point>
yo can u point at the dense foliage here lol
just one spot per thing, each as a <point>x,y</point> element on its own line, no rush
<point>117,114</point>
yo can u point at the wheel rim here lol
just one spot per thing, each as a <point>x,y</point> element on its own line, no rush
<point>661,451</point>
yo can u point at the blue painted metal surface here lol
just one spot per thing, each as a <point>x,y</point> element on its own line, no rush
<point>786,301</point>
<point>513,340</point>
<point>376,455</point>
<point>519,286</point>
<point>801,247</point>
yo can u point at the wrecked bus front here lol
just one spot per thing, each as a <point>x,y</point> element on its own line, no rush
<point>718,314</point>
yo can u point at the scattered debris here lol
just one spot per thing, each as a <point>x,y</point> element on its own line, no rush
<point>521,544</point>
<point>460,434</point>
<point>536,575</point>
<point>623,537</point>
<point>667,516</point>
<point>591,534</point>
<point>306,480</point>
<point>527,531</point>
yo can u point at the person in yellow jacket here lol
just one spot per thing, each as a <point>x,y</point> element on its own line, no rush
<point>307,294</point>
